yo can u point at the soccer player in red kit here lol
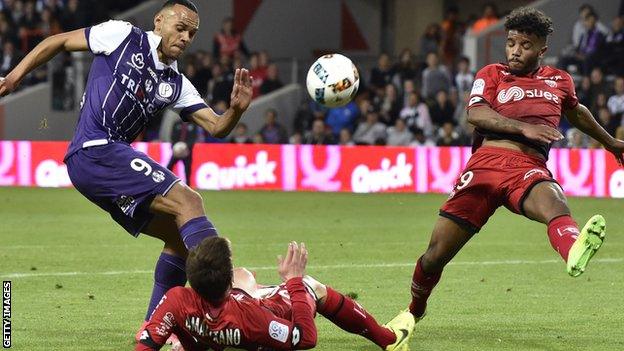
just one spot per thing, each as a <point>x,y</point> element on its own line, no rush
<point>516,108</point>
<point>225,308</point>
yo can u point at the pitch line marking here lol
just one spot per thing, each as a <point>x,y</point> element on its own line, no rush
<point>336,266</point>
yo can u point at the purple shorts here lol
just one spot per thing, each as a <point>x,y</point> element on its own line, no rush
<point>121,180</point>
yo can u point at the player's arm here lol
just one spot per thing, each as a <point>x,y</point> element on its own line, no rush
<point>160,324</point>
<point>221,125</point>
<point>484,117</point>
<point>42,53</point>
<point>581,118</point>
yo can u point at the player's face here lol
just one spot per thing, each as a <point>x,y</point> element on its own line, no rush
<point>523,52</point>
<point>177,25</point>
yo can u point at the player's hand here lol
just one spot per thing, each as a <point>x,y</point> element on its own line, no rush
<point>7,86</point>
<point>241,91</point>
<point>293,265</point>
<point>617,149</point>
<point>541,133</point>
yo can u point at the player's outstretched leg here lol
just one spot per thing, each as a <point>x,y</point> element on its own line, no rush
<point>546,203</point>
<point>586,245</point>
<point>350,316</point>
<point>447,239</point>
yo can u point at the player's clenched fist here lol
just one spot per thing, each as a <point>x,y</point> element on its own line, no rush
<point>541,133</point>
<point>7,86</point>
<point>293,265</point>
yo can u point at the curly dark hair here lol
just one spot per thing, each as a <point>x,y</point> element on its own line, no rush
<point>529,20</point>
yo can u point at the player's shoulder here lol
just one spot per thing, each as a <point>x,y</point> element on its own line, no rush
<point>181,292</point>
<point>115,25</point>
<point>555,73</point>
<point>494,70</point>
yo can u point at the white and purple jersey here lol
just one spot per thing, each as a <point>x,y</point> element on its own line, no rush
<point>127,86</point>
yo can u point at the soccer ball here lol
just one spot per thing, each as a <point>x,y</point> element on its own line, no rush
<point>333,80</point>
<point>180,150</point>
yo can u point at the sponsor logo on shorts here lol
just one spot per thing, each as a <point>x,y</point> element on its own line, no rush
<point>125,203</point>
<point>533,172</point>
<point>158,176</point>
<point>278,331</point>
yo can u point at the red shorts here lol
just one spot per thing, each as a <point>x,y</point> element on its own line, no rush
<point>493,177</point>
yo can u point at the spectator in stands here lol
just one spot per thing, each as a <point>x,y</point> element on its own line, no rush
<point>442,110</point>
<point>7,32</point>
<point>435,77</point>
<point>489,18</point>
<point>389,106</point>
<point>345,138</point>
<point>30,32</point>
<point>273,132</point>
<point>416,115</point>
<point>580,28</point>
<point>399,135</point>
<point>240,135</point>
<point>614,47</point>
<point>382,74</point>
<point>272,81</point>
<point>258,73</point>
<point>408,88</point>
<point>588,53</point>
<point>371,131</point>
<point>431,39</point>
<point>220,87</point>
<point>451,36</point>
<point>183,138</point>
<point>319,134</point>
<point>608,121</point>
<point>49,23</point>
<point>9,59</point>
<point>228,41</point>
<point>576,139</point>
<point>296,139</point>
<point>73,16</point>
<point>448,136</point>
<point>598,85</point>
<point>420,139</point>
<point>464,77</point>
<point>343,117</point>
<point>405,69</point>
<point>257,139</point>
<point>616,101</point>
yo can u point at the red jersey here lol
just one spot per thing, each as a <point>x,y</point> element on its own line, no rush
<point>284,320</point>
<point>537,98</point>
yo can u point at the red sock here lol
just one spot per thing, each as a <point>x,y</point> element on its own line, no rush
<point>351,317</point>
<point>422,284</point>
<point>562,232</point>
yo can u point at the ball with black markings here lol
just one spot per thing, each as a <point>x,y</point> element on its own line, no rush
<point>333,80</point>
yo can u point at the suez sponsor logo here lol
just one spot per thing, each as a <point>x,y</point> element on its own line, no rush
<point>243,173</point>
<point>6,314</point>
<point>516,94</point>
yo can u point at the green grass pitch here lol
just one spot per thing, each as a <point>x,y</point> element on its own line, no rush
<point>81,283</point>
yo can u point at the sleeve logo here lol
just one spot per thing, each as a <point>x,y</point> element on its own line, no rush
<point>278,331</point>
<point>478,87</point>
<point>296,336</point>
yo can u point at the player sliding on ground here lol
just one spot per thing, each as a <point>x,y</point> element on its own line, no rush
<point>134,76</point>
<point>516,109</point>
<point>226,308</point>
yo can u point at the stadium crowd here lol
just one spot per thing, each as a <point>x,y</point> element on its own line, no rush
<point>419,98</point>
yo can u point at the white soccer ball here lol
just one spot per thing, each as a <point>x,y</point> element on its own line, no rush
<point>180,150</point>
<point>333,80</point>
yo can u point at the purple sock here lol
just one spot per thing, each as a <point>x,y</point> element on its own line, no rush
<point>169,272</point>
<point>196,230</point>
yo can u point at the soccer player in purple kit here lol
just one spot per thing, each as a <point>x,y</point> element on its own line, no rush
<point>133,77</point>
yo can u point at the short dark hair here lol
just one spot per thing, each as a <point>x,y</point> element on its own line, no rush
<point>186,3</point>
<point>529,20</point>
<point>209,268</point>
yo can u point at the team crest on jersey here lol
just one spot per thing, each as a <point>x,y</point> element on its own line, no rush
<point>137,61</point>
<point>158,176</point>
<point>514,93</point>
<point>551,83</point>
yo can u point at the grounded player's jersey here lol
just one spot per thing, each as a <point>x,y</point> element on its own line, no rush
<point>538,98</point>
<point>127,86</point>
<point>281,321</point>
